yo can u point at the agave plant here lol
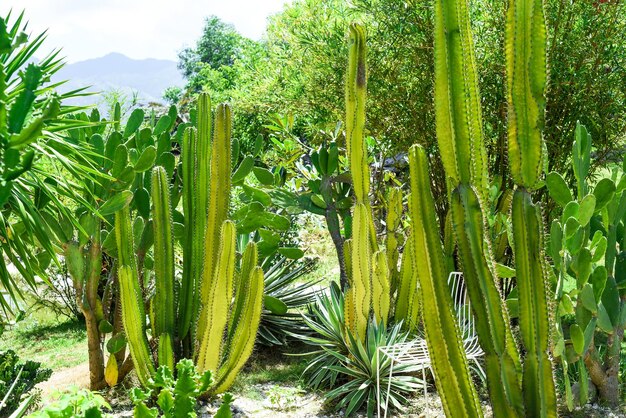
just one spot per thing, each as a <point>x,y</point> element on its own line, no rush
<point>35,156</point>
<point>361,365</point>
<point>348,365</point>
<point>325,318</point>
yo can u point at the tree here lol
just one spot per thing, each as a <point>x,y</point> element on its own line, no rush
<point>303,73</point>
<point>219,46</point>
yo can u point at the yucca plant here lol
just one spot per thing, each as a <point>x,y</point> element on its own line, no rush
<point>214,314</point>
<point>40,169</point>
<point>360,366</point>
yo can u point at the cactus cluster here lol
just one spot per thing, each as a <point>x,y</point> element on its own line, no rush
<point>587,248</point>
<point>214,314</point>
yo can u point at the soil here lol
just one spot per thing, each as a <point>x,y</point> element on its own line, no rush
<point>64,378</point>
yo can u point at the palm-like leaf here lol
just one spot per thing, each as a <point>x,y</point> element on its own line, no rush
<point>36,156</point>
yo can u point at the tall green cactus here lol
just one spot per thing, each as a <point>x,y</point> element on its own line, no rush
<point>369,272</point>
<point>458,394</point>
<point>133,313</point>
<point>461,145</point>
<point>196,151</point>
<point>221,332</point>
<point>526,84</point>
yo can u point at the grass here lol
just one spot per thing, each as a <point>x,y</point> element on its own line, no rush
<point>55,343</point>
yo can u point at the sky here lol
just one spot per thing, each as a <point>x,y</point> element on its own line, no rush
<point>136,28</point>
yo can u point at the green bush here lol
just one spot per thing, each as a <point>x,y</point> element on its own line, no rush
<point>75,403</point>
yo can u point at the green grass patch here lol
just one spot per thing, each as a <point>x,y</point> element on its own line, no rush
<point>55,344</point>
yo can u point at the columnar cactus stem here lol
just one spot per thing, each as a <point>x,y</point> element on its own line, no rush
<point>361,269</point>
<point>219,199</point>
<point>164,303</point>
<point>526,84</point>
<point>134,316</point>
<point>537,381</point>
<point>215,307</point>
<point>456,389</point>
<point>196,153</point>
<point>381,287</point>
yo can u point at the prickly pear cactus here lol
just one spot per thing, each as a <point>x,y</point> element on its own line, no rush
<point>587,248</point>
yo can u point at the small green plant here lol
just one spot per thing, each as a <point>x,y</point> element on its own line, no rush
<point>17,379</point>
<point>175,397</point>
<point>284,398</point>
<point>75,403</point>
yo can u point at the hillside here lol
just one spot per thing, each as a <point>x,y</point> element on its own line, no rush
<point>148,77</point>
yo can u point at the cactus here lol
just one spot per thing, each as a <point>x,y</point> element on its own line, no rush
<point>459,134</point>
<point>584,246</point>
<point>163,267</point>
<point>131,297</point>
<point>458,394</point>
<point>124,159</point>
<point>195,154</point>
<point>371,271</point>
<point>220,333</point>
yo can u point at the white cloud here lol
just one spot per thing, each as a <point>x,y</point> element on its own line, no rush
<point>137,28</point>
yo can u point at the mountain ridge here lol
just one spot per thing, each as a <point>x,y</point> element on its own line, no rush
<point>148,77</point>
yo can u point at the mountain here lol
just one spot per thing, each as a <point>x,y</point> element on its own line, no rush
<point>148,77</point>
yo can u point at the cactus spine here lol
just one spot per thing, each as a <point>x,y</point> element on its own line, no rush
<point>221,332</point>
